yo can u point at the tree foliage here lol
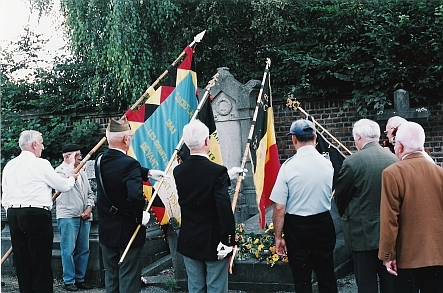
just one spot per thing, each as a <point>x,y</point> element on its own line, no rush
<point>361,49</point>
<point>46,100</point>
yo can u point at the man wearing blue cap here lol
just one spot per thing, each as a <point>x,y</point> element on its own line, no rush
<point>304,230</point>
<point>74,216</point>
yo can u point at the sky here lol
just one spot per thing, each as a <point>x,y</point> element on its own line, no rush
<point>15,15</point>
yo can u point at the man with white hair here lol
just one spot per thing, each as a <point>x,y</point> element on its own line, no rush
<point>391,129</point>
<point>207,220</point>
<point>357,194</point>
<point>27,185</point>
<point>411,216</point>
<point>392,126</point>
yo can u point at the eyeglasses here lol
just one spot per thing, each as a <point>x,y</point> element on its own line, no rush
<point>393,131</point>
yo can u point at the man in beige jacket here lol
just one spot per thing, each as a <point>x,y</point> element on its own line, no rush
<point>411,216</point>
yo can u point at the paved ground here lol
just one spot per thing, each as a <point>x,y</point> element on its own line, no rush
<point>345,285</point>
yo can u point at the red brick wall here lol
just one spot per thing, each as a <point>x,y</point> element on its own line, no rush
<point>327,113</point>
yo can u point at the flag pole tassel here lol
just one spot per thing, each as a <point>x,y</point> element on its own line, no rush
<point>295,105</point>
<point>251,132</point>
<point>173,157</point>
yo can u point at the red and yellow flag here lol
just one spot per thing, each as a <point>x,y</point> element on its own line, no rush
<point>157,129</point>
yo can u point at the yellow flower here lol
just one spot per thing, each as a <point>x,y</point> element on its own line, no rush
<point>272,249</point>
<point>249,246</point>
<point>260,247</point>
<point>256,241</point>
<point>257,254</point>
<point>275,257</point>
<point>284,259</point>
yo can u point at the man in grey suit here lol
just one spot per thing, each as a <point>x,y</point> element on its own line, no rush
<point>357,195</point>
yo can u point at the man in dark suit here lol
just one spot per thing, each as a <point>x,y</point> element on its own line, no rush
<point>357,194</point>
<point>207,221</point>
<point>120,206</point>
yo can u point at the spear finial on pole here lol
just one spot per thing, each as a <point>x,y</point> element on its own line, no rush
<point>197,39</point>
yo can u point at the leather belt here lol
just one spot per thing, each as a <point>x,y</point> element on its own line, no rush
<point>20,206</point>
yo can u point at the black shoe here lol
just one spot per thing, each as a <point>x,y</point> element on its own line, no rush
<point>71,287</point>
<point>83,286</point>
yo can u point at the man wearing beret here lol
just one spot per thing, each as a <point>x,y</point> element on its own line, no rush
<point>73,212</point>
<point>303,226</point>
<point>120,206</point>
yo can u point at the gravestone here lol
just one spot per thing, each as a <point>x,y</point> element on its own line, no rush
<point>402,108</point>
<point>233,107</point>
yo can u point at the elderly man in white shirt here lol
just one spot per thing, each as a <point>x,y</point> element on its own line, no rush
<point>27,185</point>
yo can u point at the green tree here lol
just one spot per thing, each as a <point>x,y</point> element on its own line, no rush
<point>44,100</point>
<point>360,49</point>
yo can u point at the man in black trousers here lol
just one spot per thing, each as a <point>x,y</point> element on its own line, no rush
<point>120,205</point>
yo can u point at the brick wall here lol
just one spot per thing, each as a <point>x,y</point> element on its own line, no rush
<point>327,113</point>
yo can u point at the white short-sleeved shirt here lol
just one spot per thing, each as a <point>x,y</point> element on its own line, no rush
<point>304,183</point>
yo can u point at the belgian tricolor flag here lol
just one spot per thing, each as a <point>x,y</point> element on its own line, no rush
<point>263,151</point>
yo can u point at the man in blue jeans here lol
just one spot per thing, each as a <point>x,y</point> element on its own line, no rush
<point>74,218</point>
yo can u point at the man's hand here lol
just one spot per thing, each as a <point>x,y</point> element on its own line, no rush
<point>234,172</point>
<point>391,266</point>
<point>75,175</point>
<point>156,174</point>
<point>280,246</point>
<point>223,250</point>
<point>146,217</point>
<point>86,213</point>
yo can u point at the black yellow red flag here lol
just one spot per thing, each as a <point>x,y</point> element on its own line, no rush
<point>264,152</point>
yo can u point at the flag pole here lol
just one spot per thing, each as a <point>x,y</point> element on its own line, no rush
<point>295,105</point>
<point>251,132</point>
<point>211,83</point>
<point>197,39</point>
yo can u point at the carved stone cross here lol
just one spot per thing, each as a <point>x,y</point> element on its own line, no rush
<point>402,108</point>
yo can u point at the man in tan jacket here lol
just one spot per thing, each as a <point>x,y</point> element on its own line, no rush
<point>411,216</point>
